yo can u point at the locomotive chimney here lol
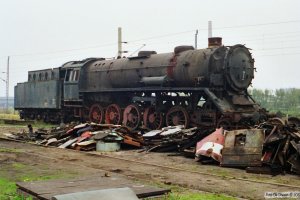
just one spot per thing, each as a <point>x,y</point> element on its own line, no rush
<point>214,42</point>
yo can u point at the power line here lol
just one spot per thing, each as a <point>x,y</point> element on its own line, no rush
<point>276,48</point>
<point>161,36</point>
<point>66,50</point>
<point>254,25</point>
<point>282,54</point>
<point>154,37</point>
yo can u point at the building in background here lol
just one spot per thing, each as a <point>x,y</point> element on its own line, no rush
<point>3,103</point>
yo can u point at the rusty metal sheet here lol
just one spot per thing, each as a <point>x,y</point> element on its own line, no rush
<point>211,145</point>
<point>243,148</point>
<point>68,143</point>
<point>111,193</point>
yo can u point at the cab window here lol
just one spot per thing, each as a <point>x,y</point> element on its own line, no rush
<point>72,75</point>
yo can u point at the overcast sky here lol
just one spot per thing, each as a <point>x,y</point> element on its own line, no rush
<point>39,34</point>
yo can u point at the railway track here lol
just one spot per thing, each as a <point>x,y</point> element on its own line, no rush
<point>135,168</point>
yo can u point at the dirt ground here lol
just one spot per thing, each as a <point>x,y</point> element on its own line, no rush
<point>153,168</point>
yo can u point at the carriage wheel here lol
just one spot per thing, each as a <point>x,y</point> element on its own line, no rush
<point>113,114</point>
<point>177,115</point>
<point>96,113</point>
<point>132,116</point>
<point>152,119</point>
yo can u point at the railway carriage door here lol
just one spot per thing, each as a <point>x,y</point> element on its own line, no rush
<point>71,85</point>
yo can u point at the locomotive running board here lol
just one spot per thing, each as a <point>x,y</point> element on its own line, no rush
<point>153,89</point>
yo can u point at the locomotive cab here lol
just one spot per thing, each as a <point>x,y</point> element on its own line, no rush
<point>71,80</point>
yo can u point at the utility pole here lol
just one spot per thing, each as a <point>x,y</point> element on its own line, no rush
<point>209,29</point>
<point>196,39</point>
<point>119,42</point>
<point>7,84</point>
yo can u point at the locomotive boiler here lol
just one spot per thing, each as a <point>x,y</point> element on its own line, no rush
<point>189,87</point>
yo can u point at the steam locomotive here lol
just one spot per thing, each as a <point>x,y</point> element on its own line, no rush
<point>189,87</point>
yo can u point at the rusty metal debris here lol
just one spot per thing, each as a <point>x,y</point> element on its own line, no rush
<point>243,148</point>
<point>271,147</point>
<point>281,146</point>
<point>211,145</point>
<point>80,136</point>
<point>174,139</point>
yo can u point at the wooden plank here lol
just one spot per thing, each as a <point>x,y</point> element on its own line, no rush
<point>47,189</point>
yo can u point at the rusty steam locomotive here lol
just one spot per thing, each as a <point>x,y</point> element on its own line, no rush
<point>190,87</point>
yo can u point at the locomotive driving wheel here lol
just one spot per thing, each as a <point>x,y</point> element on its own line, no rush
<point>132,116</point>
<point>152,119</point>
<point>177,115</point>
<point>96,113</point>
<point>113,114</point>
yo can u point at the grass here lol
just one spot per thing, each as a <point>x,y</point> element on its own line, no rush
<point>21,172</point>
<point>182,193</point>
<point>9,150</point>
<point>35,124</point>
<point>18,166</point>
<point>25,172</point>
<point>15,116</point>
<point>9,116</point>
<point>219,171</point>
<point>8,191</point>
<point>197,196</point>
<point>12,171</point>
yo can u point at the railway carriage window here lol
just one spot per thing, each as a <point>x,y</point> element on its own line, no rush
<point>71,78</point>
<point>72,75</point>
<point>76,75</point>
<point>52,76</point>
<point>67,75</point>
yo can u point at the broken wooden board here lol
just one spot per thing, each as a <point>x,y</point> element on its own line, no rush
<point>46,189</point>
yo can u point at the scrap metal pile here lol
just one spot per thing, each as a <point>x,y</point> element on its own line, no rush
<point>84,137</point>
<point>272,147</point>
<point>281,146</point>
